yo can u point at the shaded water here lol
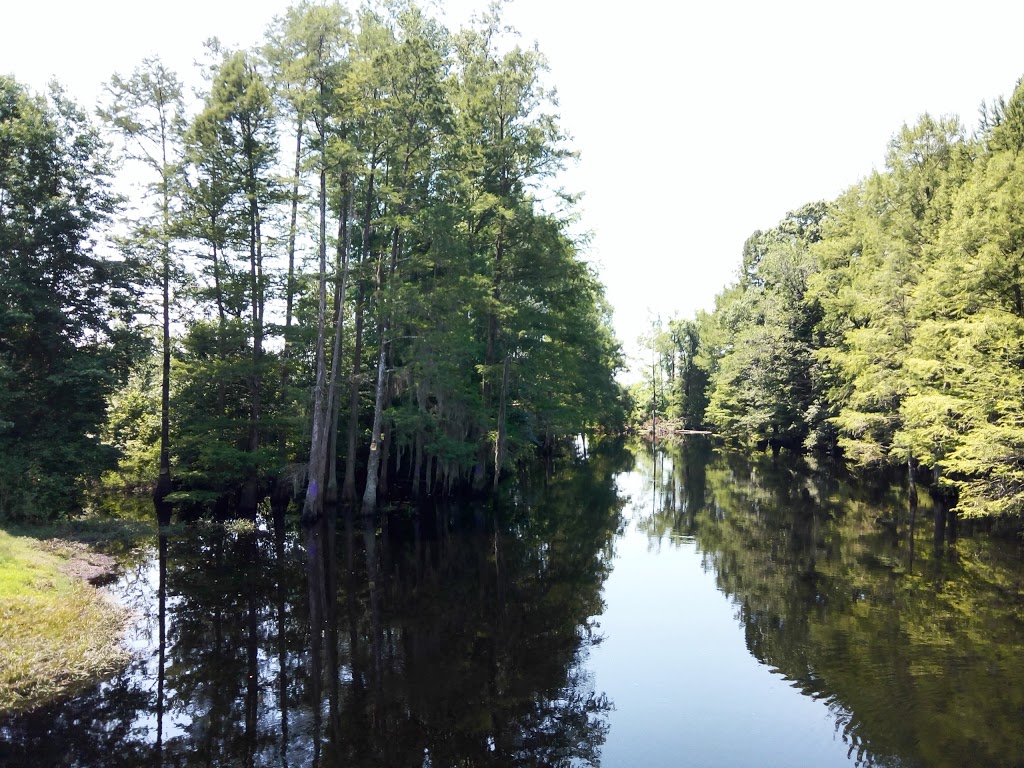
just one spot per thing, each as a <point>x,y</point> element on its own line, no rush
<point>692,608</point>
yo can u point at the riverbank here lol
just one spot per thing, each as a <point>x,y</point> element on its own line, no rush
<point>58,632</point>
<point>666,429</point>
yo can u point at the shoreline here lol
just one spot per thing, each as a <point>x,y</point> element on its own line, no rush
<point>60,631</point>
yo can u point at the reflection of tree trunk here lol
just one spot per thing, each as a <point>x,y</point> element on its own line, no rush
<point>282,644</point>
<point>912,501</point>
<point>372,573</point>
<point>315,580</point>
<point>357,707</point>
<point>654,476</point>
<point>329,554</point>
<point>672,497</point>
<point>162,603</point>
<point>940,523</point>
<point>913,525</point>
<point>213,733</point>
<point>499,649</point>
<point>252,667</point>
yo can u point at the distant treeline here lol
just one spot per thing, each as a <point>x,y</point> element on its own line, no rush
<point>359,271</point>
<point>887,325</point>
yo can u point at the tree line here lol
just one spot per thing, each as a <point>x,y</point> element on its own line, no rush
<point>886,325</point>
<point>361,271</point>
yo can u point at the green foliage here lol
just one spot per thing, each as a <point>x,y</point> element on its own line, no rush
<point>488,334</point>
<point>66,308</point>
<point>764,384</point>
<point>133,428</point>
<point>888,324</point>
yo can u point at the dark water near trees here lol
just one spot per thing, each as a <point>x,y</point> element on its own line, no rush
<point>695,609</point>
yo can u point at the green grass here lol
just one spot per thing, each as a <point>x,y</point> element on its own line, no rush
<point>57,633</point>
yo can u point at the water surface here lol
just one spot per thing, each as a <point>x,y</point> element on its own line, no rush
<point>689,609</point>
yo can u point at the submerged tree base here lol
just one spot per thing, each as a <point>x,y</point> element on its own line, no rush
<point>59,632</point>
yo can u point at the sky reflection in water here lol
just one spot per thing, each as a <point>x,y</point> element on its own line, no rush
<point>736,612</point>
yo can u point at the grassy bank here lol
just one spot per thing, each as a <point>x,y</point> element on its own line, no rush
<point>57,632</point>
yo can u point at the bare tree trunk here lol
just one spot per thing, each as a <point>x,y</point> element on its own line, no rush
<point>290,285</point>
<point>248,502</point>
<point>373,462</point>
<point>499,443</point>
<point>384,457</point>
<point>313,505</point>
<point>163,481</point>
<point>417,465</point>
<point>292,231</point>
<point>490,349</point>
<point>333,395</point>
<point>349,487</point>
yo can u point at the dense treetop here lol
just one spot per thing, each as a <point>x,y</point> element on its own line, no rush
<point>887,324</point>
<point>343,242</point>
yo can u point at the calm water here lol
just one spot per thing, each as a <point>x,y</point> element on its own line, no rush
<point>689,609</point>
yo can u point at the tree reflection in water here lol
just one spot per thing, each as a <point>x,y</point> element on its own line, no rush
<point>452,636</point>
<point>918,655</point>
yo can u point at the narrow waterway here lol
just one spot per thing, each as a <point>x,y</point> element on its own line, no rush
<point>690,608</point>
<point>675,662</point>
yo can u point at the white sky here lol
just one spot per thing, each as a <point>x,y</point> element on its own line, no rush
<point>697,123</point>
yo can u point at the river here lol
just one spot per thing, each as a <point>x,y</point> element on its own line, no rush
<point>686,608</point>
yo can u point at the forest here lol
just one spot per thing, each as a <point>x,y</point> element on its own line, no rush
<point>342,269</point>
<point>885,326</point>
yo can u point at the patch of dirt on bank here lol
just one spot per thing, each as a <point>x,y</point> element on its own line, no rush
<point>82,562</point>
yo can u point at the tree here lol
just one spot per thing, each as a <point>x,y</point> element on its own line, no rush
<point>414,115</point>
<point>689,394</point>
<point>763,388</point>
<point>509,142</point>
<point>234,139</point>
<point>963,415</point>
<point>67,335</point>
<point>312,49</point>
<point>147,110</point>
<point>878,246</point>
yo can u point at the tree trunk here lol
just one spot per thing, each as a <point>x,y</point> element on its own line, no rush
<point>333,395</point>
<point>349,488</point>
<point>373,462</point>
<point>384,456</point>
<point>290,284</point>
<point>417,465</point>
<point>292,231</point>
<point>313,505</point>
<point>249,498</point>
<point>163,481</point>
<point>499,443</point>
